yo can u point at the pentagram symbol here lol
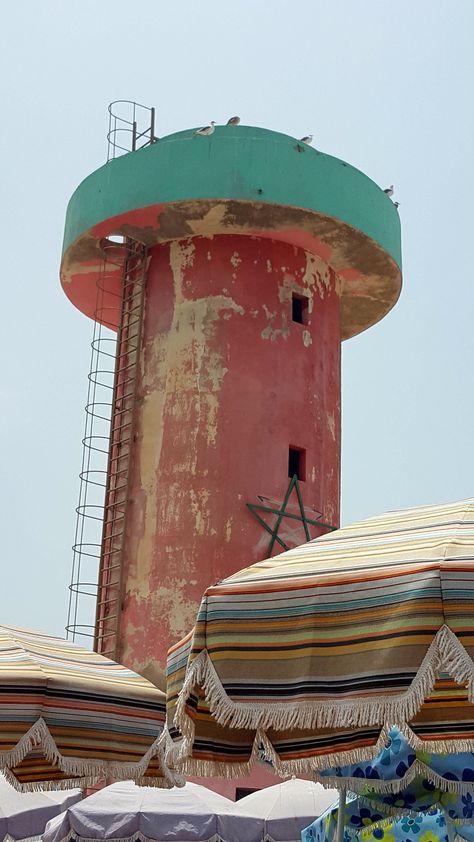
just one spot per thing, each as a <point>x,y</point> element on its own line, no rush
<point>302,515</point>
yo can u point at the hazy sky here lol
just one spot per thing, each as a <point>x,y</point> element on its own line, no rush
<point>384,85</point>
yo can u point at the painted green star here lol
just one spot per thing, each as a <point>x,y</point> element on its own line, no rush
<point>282,513</point>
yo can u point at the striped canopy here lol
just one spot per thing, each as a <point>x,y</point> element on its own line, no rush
<point>69,717</point>
<point>307,659</point>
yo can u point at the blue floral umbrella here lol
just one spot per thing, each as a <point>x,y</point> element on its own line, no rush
<point>409,778</point>
<point>404,782</point>
<point>366,823</point>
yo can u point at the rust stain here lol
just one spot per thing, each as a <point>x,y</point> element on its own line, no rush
<point>351,253</point>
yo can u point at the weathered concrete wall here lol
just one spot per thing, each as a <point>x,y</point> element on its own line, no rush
<point>227,383</point>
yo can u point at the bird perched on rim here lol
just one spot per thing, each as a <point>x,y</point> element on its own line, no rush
<point>233,121</point>
<point>389,190</point>
<point>206,130</point>
<point>397,204</point>
<point>308,138</point>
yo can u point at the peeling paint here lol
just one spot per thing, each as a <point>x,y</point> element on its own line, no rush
<point>180,612</point>
<point>200,509</point>
<point>236,260</point>
<point>331,425</point>
<point>271,332</point>
<point>317,274</point>
<point>351,253</point>
<point>210,224</point>
<point>203,422</point>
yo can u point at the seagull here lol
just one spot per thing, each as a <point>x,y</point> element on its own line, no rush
<point>389,190</point>
<point>308,138</point>
<point>206,130</point>
<point>233,121</point>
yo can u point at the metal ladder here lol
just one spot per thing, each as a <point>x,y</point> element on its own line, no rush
<point>109,592</point>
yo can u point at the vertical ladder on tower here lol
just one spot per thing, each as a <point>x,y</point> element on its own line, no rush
<point>109,593</point>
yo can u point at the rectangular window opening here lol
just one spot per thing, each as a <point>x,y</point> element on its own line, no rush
<point>243,791</point>
<point>297,462</point>
<point>299,308</point>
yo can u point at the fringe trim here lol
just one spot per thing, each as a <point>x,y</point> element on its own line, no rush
<point>46,786</point>
<point>8,838</point>
<point>138,835</point>
<point>399,812</point>
<point>445,654</point>
<point>418,769</point>
<point>179,756</point>
<point>268,838</point>
<point>85,772</point>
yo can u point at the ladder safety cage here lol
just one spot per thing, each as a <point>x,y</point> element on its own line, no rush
<point>103,492</point>
<point>131,127</point>
<point>94,590</point>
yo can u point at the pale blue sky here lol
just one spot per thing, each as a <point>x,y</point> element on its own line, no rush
<point>384,85</point>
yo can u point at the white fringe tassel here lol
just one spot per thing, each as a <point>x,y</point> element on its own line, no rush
<point>445,654</point>
<point>83,773</point>
<point>72,834</point>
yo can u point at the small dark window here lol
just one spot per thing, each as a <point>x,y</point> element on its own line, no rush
<point>242,791</point>
<point>299,309</point>
<point>296,462</point>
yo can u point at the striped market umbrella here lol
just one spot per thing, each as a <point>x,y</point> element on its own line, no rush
<point>70,717</point>
<point>307,660</point>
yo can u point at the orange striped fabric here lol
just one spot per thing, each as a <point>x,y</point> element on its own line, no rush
<point>69,717</point>
<point>307,659</point>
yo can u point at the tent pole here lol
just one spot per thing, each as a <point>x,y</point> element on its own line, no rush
<point>341,815</point>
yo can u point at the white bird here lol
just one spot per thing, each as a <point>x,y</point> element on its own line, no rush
<point>206,130</point>
<point>389,190</point>
<point>233,121</point>
<point>308,138</point>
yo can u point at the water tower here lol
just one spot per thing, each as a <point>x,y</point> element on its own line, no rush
<point>222,273</point>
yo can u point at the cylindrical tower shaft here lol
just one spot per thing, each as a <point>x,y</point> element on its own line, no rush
<point>259,255</point>
<point>239,377</point>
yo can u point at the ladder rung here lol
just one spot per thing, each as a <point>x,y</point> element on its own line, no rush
<point>111,567</point>
<point>120,411</point>
<point>116,458</point>
<point>102,635</point>
<point>125,353</point>
<point>108,601</point>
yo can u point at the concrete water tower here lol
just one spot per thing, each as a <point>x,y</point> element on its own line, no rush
<point>231,267</point>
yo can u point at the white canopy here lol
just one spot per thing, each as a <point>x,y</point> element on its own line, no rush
<point>125,811</point>
<point>25,814</point>
<point>286,808</point>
